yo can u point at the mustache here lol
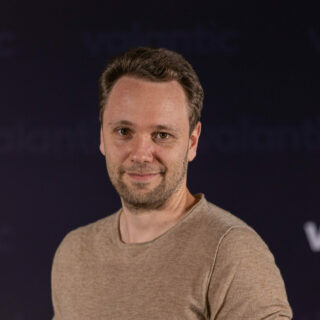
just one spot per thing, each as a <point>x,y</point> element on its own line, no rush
<point>142,169</point>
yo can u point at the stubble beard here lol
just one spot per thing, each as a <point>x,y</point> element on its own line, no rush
<point>135,197</point>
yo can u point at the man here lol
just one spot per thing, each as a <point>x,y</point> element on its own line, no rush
<point>166,254</point>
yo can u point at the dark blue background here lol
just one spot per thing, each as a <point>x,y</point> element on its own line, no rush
<point>259,151</point>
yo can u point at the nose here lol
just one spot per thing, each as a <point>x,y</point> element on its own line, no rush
<point>142,149</point>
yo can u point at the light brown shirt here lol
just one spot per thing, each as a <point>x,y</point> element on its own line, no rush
<point>210,265</point>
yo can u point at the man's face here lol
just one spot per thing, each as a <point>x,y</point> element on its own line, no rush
<point>145,139</point>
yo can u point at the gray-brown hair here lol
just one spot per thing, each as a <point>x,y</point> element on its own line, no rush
<point>157,65</point>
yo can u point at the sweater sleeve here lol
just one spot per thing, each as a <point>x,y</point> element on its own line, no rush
<point>245,282</point>
<point>64,274</point>
<point>55,285</point>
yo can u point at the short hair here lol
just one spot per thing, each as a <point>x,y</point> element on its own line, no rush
<point>158,65</point>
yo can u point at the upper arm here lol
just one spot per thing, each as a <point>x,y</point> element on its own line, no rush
<point>63,273</point>
<point>55,284</point>
<point>245,281</point>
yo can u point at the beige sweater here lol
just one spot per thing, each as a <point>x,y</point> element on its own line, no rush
<point>210,265</point>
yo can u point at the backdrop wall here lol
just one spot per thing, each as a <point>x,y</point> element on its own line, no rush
<point>259,151</point>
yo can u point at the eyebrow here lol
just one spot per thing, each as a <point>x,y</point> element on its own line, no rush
<point>121,122</point>
<point>165,128</point>
<point>158,127</point>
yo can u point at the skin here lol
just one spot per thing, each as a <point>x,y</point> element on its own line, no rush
<point>145,140</point>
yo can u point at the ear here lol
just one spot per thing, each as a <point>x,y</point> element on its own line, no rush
<point>101,146</point>
<point>193,141</point>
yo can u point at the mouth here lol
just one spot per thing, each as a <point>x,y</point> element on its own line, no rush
<point>144,177</point>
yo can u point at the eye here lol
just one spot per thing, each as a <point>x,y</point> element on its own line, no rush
<point>162,135</point>
<point>123,132</point>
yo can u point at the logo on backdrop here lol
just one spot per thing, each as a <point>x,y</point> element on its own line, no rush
<point>200,40</point>
<point>314,37</point>
<point>6,41</point>
<point>7,238</point>
<point>313,235</point>
<point>245,135</point>
<point>19,138</point>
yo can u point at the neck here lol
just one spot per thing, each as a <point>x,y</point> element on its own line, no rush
<point>137,227</point>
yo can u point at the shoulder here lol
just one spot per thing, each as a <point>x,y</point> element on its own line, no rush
<point>215,223</point>
<point>242,243</point>
<point>228,239</point>
<point>209,232</point>
<point>222,218</point>
<point>85,238</point>
<point>235,239</point>
<point>244,276</point>
<point>250,283</point>
<point>243,280</point>
<point>234,232</point>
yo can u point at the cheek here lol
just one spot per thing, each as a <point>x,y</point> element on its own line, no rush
<point>113,155</point>
<point>116,154</point>
<point>172,158</point>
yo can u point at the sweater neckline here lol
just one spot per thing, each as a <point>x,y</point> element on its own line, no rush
<point>201,201</point>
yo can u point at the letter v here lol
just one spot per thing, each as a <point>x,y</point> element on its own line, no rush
<point>313,235</point>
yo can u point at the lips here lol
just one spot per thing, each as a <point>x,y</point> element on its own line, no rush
<point>142,176</point>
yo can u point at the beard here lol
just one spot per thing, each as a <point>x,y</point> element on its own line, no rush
<point>136,194</point>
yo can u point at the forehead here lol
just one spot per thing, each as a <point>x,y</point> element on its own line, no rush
<point>142,101</point>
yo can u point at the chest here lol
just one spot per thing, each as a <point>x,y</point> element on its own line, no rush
<point>153,283</point>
